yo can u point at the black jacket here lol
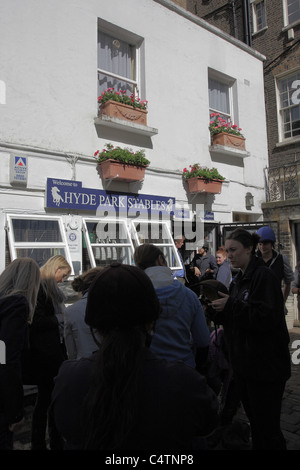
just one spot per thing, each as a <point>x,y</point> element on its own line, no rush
<point>255,325</point>
<point>175,404</point>
<point>14,311</point>
<point>45,346</point>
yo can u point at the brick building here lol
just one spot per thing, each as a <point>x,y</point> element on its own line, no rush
<point>273,29</point>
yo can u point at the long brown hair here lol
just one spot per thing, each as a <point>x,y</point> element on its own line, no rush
<point>21,276</point>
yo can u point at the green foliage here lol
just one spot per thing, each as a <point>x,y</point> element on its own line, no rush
<point>197,171</point>
<point>218,125</point>
<point>124,155</point>
<point>122,97</point>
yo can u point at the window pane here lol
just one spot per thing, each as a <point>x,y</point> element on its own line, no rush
<point>40,255</point>
<point>290,105</point>
<point>107,241</point>
<point>107,232</point>
<point>218,96</point>
<point>293,10</point>
<point>106,255</point>
<point>116,56</point>
<point>295,113</point>
<point>152,233</point>
<point>31,230</point>
<point>105,81</point>
<point>260,15</point>
<point>158,234</point>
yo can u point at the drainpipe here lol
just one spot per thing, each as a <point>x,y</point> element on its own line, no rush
<point>246,18</point>
<point>232,3</point>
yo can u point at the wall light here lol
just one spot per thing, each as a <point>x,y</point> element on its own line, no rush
<point>249,201</point>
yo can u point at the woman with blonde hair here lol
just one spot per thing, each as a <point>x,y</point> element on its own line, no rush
<point>19,285</point>
<point>47,351</point>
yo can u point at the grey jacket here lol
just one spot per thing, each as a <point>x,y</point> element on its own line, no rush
<point>78,337</point>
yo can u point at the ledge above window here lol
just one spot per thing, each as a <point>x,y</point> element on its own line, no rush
<point>120,124</point>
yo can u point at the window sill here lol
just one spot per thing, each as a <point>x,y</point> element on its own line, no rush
<point>228,151</point>
<point>289,141</point>
<point>127,126</point>
<point>290,26</point>
<point>262,30</point>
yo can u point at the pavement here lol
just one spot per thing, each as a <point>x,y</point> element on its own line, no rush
<point>290,415</point>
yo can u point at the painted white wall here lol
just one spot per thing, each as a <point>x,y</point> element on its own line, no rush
<point>48,98</point>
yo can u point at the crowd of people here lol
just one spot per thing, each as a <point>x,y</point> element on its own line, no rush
<point>127,366</point>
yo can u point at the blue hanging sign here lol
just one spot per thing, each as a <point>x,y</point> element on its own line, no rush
<point>68,194</point>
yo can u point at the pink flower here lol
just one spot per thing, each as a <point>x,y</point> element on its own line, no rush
<point>96,153</point>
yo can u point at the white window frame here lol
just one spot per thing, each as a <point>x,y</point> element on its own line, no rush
<point>229,82</point>
<point>280,110</point>
<point>169,245</point>
<point>107,245</point>
<point>136,43</point>
<point>14,245</point>
<point>286,15</point>
<point>255,4</point>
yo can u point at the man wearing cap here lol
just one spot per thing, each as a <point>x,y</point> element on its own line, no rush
<point>274,260</point>
<point>204,264</point>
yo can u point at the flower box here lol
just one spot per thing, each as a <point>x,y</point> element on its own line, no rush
<point>123,111</point>
<point>201,185</point>
<point>229,140</point>
<point>111,169</point>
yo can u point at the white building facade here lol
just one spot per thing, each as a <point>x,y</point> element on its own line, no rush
<point>56,59</point>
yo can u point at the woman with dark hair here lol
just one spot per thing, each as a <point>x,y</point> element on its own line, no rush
<point>257,336</point>
<point>123,397</point>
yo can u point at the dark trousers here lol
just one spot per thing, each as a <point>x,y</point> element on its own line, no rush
<point>40,419</point>
<point>262,405</point>
<point>6,437</point>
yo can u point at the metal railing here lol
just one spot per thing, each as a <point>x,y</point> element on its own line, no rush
<point>283,182</point>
